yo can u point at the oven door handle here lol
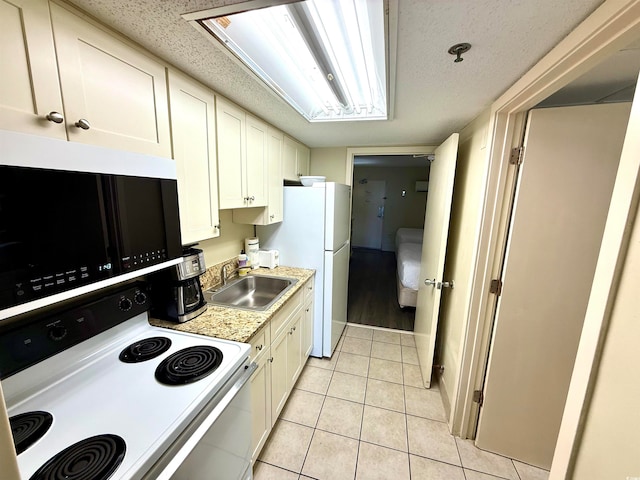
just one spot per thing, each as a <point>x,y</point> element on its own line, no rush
<point>203,428</point>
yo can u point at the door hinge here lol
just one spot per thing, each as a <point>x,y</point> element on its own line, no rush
<point>478,397</point>
<point>516,156</point>
<point>496,287</point>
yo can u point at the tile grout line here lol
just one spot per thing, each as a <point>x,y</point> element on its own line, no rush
<point>313,434</point>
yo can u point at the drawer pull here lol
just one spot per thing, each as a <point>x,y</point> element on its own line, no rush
<point>271,360</point>
<point>259,347</point>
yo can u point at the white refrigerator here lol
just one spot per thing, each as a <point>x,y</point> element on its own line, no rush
<point>315,234</point>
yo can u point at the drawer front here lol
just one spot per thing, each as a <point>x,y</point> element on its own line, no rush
<point>260,342</point>
<point>308,290</point>
<point>280,319</point>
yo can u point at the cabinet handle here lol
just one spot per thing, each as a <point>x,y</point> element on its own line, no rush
<point>217,226</point>
<point>259,347</point>
<point>252,198</point>
<point>83,124</point>
<point>307,310</point>
<point>55,117</point>
<point>271,360</point>
<point>272,216</point>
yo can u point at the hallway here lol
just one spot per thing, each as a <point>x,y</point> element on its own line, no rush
<point>372,297</point>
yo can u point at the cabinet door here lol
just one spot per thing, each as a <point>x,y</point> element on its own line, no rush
<point>260,404</point>
<point>194,150</point>
<point>279,379</point>
<point>307,330</point>
<point>230,126</point>
<point>303,160</point>
<point>29,86</point>
<point>257,169</point>
<point>294,349</point>
<point>275,151</point>
<point>118,90</point>
<point>289,161</point>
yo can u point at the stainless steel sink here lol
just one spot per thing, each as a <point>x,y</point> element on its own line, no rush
<point>255,292</point>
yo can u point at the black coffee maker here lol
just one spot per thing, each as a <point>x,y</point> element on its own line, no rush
<point>176,293</point>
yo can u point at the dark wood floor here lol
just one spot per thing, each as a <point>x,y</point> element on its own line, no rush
<point>373,299</point>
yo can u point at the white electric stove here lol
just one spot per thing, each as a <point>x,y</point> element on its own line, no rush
<point>116,398</point>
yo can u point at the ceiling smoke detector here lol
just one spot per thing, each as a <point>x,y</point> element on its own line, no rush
<point>458,49</point>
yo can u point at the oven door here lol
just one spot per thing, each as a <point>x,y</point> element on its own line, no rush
<point>217,444</point>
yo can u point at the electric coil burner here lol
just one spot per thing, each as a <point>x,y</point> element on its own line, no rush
<point>94,458</point>
<point>28,428</point>
<point>145,349</point>
<point>87,398</point>
<point>189,365</point>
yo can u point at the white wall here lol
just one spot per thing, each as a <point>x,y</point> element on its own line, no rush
<point>330,162</point>
<point>466,212</point>
<point>407,211</point>
<point>229,243</point>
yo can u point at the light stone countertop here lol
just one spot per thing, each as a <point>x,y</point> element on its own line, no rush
<point>234,323</point>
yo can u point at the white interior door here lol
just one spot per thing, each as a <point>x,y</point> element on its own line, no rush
<point>434,245</point>
<point>562,199</point>
<point>368,214</point>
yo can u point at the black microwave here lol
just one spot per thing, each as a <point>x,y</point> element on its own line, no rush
<point>60,230</point>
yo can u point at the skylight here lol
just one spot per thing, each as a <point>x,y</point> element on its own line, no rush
<point>326,58</point>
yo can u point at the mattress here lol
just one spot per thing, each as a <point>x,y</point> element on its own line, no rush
<point>409,255</point>
<point>408,235</point>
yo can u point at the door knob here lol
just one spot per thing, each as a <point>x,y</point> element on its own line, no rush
<point>55,117</point>
<point>430,282</point>
<point>442,285</point>
<point>83,124</point>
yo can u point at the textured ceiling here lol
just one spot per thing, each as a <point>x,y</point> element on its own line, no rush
<point>434,96</point>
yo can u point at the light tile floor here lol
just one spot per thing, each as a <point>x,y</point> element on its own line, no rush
<point>364,415</point>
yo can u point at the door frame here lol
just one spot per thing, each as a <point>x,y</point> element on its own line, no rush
<point>358,151</point>
<point>610,27</point>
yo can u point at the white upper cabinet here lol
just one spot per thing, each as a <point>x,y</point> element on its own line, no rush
<point>230,126</point>
<point>295,159</point>
<point>114,95</point>
<point>272,213</point>
<point>257,161</point>
<point>192,108</point>
<point>29,86</point>
<point>242,157</point>
<point>275,152</point>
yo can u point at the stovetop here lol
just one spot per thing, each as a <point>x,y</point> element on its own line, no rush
<point>89,391</point>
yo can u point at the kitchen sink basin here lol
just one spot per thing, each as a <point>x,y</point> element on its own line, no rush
<point>255,292</point>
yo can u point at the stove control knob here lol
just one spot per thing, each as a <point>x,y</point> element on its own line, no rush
<point>125,304</point>
<point>57,332</point>
<point>140,298</point>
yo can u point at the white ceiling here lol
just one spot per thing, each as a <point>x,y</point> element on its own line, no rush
<point>434,96</point>
<point>612,80</point>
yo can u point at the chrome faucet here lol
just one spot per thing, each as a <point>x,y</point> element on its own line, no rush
<point>225,274</point>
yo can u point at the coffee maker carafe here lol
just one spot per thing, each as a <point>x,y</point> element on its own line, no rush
<point>176,292</point>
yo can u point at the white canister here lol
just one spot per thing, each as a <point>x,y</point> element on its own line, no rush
<point>251,248</point>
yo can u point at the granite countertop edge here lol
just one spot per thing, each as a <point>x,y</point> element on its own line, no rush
<point>236,324</point>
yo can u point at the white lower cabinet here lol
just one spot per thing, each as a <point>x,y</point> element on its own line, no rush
<point>280,362</point>
<point>295,360</point>
<point>279,380</point>
<point>261,403</point>
<point>307,320</point>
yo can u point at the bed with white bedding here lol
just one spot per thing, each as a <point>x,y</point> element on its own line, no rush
<point>408,254</point>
